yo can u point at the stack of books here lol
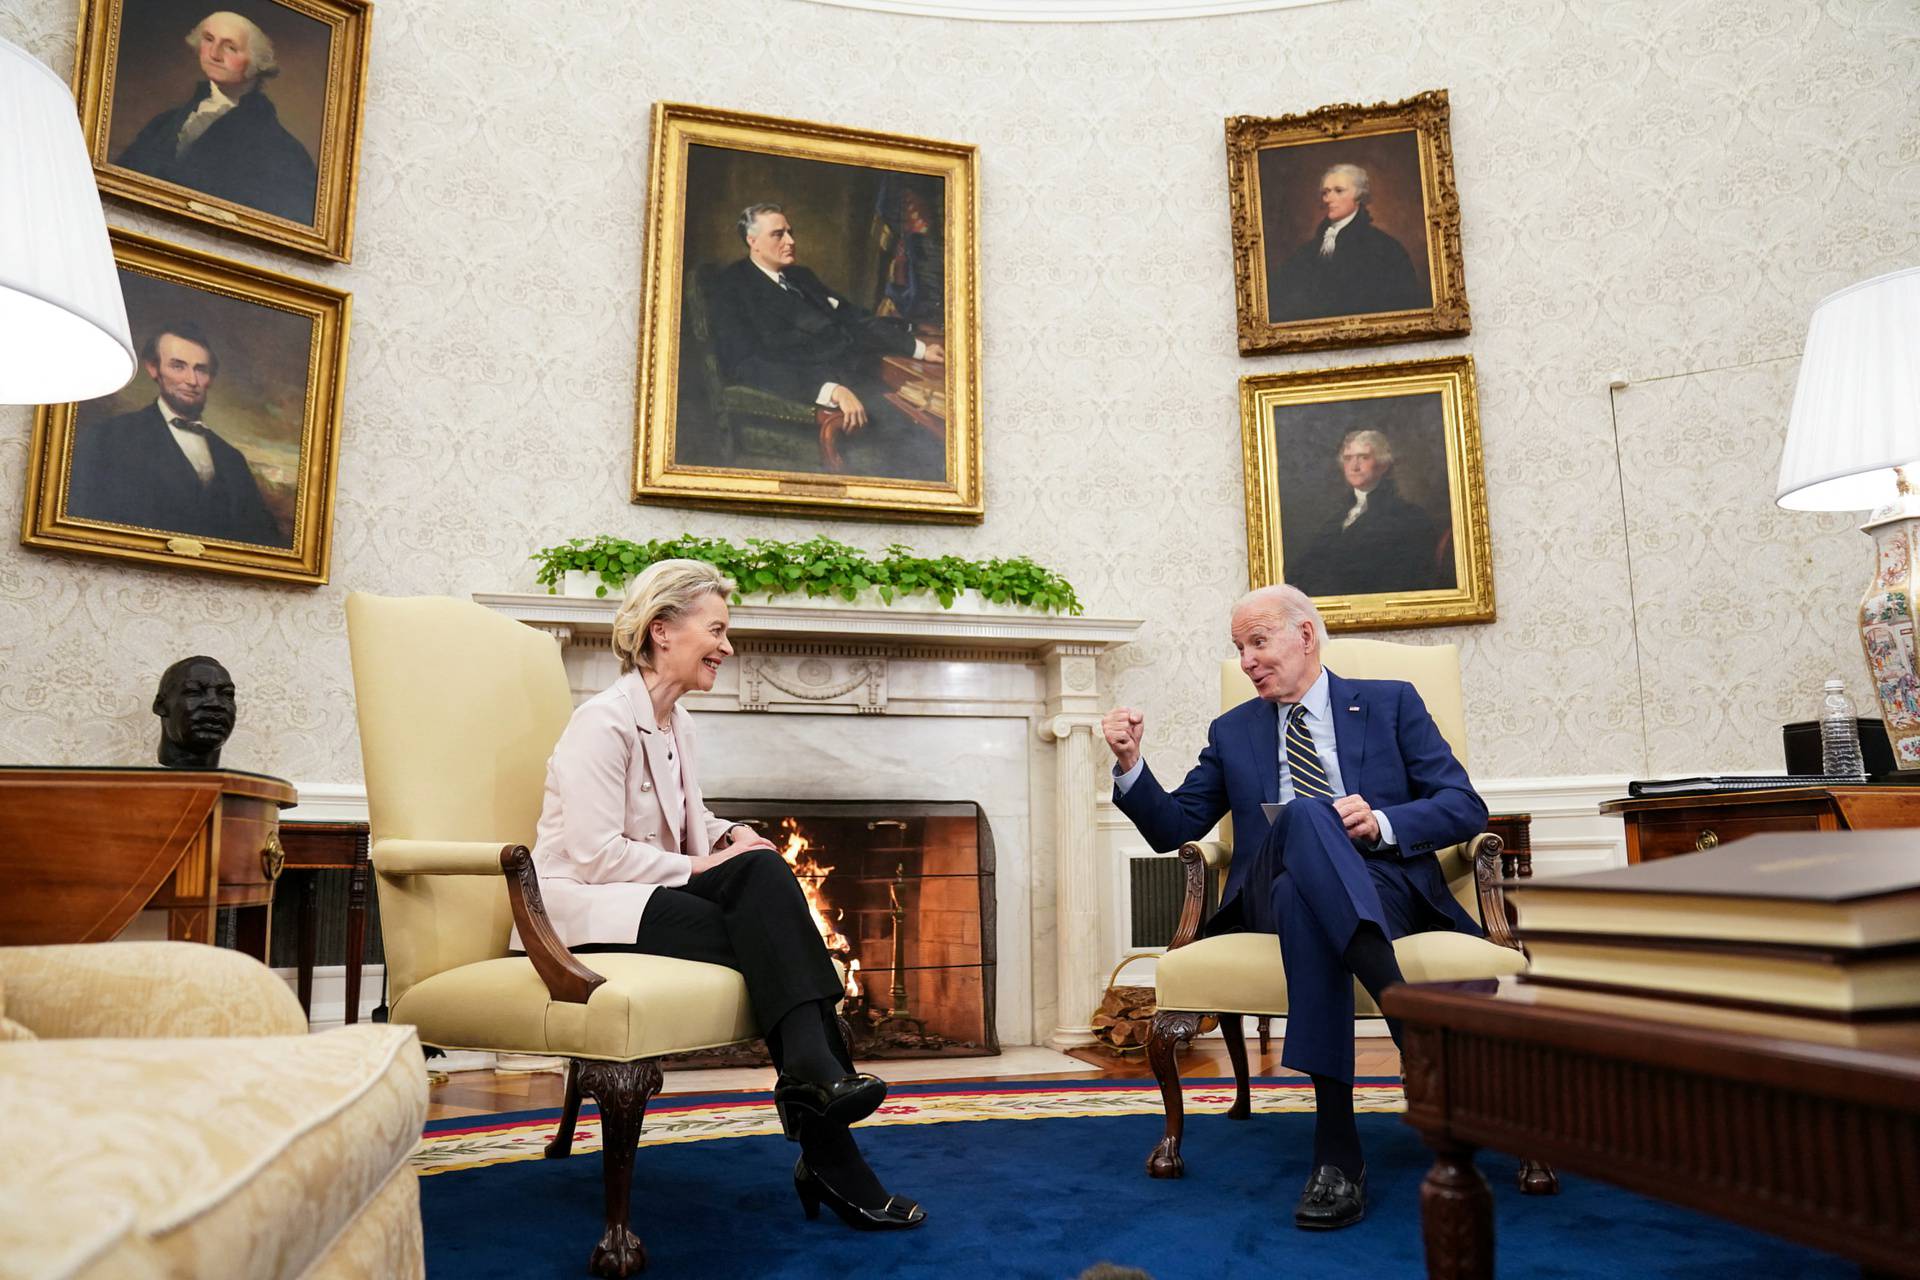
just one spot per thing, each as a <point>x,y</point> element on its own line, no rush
<point>1823,924</point>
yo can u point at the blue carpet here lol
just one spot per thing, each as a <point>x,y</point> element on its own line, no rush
<point>1047,1198</point>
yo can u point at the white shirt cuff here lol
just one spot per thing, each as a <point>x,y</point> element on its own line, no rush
<point>1386,831</point>
<point>825,398</point>
<point>1122,782</point>
<point>919,349</point>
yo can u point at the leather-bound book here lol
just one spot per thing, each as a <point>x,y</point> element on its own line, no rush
<point>1836,889</point>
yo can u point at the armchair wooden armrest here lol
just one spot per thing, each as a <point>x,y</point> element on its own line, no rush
<point>1504,853</point>
<point>1195,857</point>
<point>568,981</point>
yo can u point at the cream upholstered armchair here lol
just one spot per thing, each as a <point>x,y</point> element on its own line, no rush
<point>1240,975</point>
<point>459,709</point>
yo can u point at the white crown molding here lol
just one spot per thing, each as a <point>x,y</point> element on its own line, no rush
<point>1069,10</point>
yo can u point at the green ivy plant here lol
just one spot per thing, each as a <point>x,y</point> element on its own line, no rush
<point>817,567</point>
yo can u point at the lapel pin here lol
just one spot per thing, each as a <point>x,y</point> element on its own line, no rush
<point>1353,708</point>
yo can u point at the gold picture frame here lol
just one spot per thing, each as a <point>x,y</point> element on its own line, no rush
<point>279,166</point>
<point>1393,271</point>
<point>742,365</point>
<point>251,364</point>
<point>1416,552</point>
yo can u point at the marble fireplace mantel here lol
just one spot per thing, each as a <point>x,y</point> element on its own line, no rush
<point>826,660</point>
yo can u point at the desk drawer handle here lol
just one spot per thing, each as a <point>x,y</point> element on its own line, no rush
<point>273,858</point>
<point>1708,840</point>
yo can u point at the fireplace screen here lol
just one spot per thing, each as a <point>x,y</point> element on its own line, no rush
<point>902,893</point>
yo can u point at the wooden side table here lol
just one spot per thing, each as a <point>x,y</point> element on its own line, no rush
<point>83,850</point>
<point>1666,826</point>
<point>1794,1126</point>
<point>329,846</point>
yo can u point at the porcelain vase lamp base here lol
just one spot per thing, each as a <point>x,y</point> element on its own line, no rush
<point>1886,630</point>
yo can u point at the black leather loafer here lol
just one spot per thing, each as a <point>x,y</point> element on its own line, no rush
<point>1332,1200</point>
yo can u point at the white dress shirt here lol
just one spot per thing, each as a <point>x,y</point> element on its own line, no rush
<point>191,442</point>
<point>211,108</point>
<point>1358,509</point>
<point>1318,702</point>
<point>825,398</point>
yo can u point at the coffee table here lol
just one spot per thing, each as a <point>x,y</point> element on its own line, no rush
<point>1801,1127</point>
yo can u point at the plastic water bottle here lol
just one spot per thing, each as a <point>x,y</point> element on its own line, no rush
<point>1839,734</point>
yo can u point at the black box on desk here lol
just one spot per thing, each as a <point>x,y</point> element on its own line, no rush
<point>1802,742</point>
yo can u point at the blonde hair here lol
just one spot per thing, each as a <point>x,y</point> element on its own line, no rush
<point>666,591</point>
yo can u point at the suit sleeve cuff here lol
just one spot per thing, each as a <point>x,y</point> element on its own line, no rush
<point>1123,782</point>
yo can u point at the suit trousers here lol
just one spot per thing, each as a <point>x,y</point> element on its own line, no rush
<point>1310,885</point>
<point>749,914</point>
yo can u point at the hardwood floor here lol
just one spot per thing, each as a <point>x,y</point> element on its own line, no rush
<point>469,1093</point>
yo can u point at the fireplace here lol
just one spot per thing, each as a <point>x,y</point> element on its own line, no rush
<point>903,894</point>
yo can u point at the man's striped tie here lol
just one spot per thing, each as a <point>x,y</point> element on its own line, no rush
<point>1309,775</point>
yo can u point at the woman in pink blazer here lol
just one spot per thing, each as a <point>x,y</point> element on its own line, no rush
<point>631,859</point>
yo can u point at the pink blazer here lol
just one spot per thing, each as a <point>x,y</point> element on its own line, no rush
<point>605,840</point>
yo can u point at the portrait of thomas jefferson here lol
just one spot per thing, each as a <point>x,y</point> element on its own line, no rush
<point>1365,496</point>
<point>222,134</point>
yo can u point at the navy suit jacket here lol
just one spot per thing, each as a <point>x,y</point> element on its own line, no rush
<point>1391,755</point>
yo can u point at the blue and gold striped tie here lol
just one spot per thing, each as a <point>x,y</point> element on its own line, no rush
<point>1309,775</point>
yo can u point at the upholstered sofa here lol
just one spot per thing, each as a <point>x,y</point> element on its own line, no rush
<point>164,1113</point>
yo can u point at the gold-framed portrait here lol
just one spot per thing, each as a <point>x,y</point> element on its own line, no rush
<point>1346,227</point>
<point>1366,490</point>
<point>811,335</point>
<point>221,454</point>
<point>244,115</point>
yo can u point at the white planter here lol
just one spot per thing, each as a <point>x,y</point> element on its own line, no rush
<point>968,601</point>
<point>586,582</point>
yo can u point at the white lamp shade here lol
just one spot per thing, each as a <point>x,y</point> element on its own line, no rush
<point>63,323</point>
<point>1856,410</point>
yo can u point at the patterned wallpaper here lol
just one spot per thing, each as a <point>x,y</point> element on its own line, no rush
<point>1657,190</point>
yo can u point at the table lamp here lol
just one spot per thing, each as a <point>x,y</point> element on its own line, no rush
<point>63,323</point>
<point>1853,444</point>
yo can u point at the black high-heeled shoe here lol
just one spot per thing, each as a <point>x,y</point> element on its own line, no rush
<point>846,1101</point>
<point>897,1214</point>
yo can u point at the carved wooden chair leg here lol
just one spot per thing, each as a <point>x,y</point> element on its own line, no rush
<point>562,1143</point>
<point>1234,1032</point>
<point>1170,1030</point>
<point>1263,1025</point>
<point>1537,1178</point>
<point>623,1090</point>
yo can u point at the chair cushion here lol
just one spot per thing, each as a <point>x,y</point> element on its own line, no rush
<point>188,1158</point>
<point>1242,973</point>
<point>649,1005</point>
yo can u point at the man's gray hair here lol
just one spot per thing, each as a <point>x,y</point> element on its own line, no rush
<point>261,60</point>
<point>1362,185</point>
<point>751,214</point>
<point>1292,604</point>
<point>1374,440</point>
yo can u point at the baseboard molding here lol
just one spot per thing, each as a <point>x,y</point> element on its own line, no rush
<point>330,993</point>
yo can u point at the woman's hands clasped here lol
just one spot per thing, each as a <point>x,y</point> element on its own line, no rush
<point>739,839</point>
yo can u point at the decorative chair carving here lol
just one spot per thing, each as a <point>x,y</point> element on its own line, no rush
<point>1240,975</point>
<point>459,709</point>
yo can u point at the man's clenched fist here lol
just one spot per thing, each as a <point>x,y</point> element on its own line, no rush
<point>1124,728</point>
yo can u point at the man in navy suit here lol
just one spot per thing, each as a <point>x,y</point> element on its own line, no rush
<point>778,327</point>
<point>1370,790</point>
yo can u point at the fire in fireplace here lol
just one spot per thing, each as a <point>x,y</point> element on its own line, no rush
<point>902,893</point>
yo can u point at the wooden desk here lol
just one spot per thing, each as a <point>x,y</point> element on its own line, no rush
<point>329,846</point>
<point>1665,826</point>
<point>1726,1112</point>
<point>83,850</point>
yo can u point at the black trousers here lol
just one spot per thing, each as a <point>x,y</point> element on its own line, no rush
<point>748,914</point>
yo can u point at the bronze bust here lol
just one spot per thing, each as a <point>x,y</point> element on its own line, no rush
<point>196,710</point>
